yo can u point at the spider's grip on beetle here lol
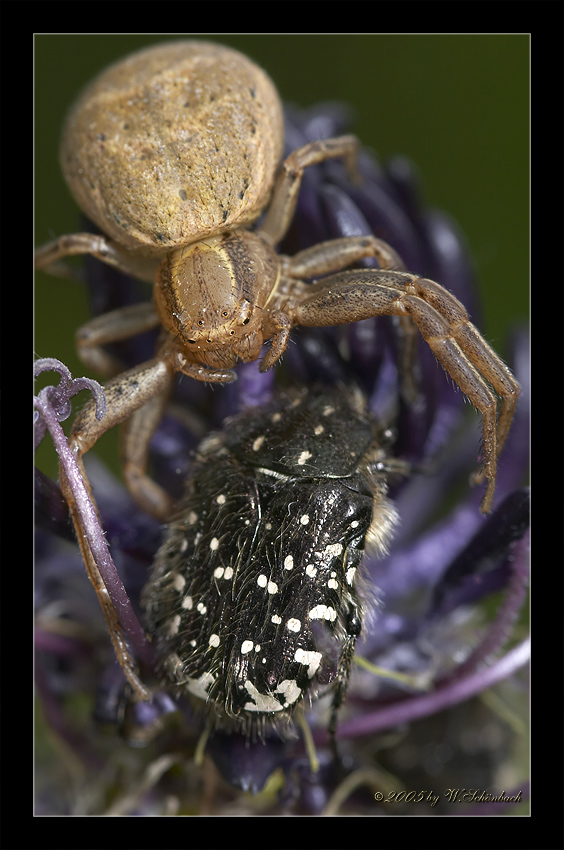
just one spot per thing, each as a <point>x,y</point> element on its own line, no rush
<point>220,288</point>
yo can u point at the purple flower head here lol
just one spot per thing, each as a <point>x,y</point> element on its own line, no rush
<point>446,601</point>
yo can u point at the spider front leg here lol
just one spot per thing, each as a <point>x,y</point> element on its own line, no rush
<point>321,259</point>
<point>115,326</point>
<point>139,396</point>
<point>286,190</point>
<point>49,257</point>
<point>445,327</point>
<point>139,390</point>
<point>337,254</point>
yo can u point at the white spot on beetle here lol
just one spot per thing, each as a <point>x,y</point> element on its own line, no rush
<point>246,646</point>
<point>258,442</point>
<point>261,702</point>
<point>333,550</point>
<point>323,612</point>
<point>312,659</point>
<point>214,640</point>
<point>199,687</point>
<point>291,691</point>
<point>214,545</point>
<point>293,624</point>
<point>187,603</point>
<point>304,519</point>
<point>173,625</point>
<point>349,577</point>
<point>178,581</point>
<point>288,562</point>
<point>304,457</point>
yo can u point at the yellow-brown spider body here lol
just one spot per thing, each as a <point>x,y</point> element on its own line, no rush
<point>173,144</point>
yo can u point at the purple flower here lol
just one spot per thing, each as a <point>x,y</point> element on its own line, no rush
<point>447,597</point>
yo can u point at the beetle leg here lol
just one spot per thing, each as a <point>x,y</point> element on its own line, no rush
<point>48,257</point>
<point>444,325</point>
<point>283,204</point>
<point>353,626</point>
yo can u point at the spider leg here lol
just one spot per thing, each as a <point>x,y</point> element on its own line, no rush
<point>49,257</point>
<point>115,326</point>
<point>285,195</point>
<point>141,394</point>
<point>468,340</point>
<point>338,254</point>
<point>280,326</point>
<point>132,391</point>
<point>443,322</point>
<point>180,363</point>
<point>110,615</point>
<point>135,438</point>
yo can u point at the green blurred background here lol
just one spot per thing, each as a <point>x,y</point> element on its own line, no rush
<point>457,105</point>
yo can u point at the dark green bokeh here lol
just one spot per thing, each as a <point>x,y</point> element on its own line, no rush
<point>457,105</point>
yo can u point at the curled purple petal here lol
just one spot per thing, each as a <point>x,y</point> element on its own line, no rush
<point>58,398</point>
<point>88,516</point>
